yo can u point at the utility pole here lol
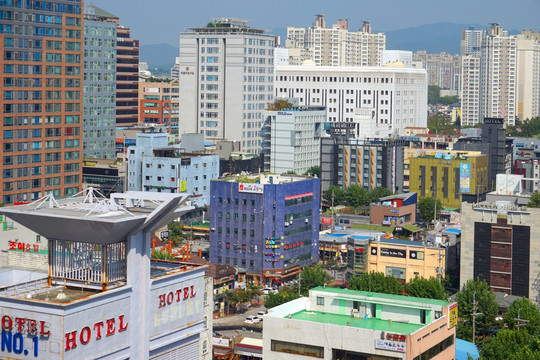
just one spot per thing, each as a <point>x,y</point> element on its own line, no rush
<point>520,320</point>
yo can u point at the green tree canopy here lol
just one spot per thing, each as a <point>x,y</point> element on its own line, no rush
<point>534,200</point>
<point>510,344</point>
<point>339,195</point>
<point>426,208</point>
<point>479,291</point>
<point>279,104</point>
<point>376,282</point>
<point>281,297</point>
<point>378,193</point>
<point>424,288</point>
<point>313,276</point>
<point>357,196</point>
<point>175,232</point>
<point>314,171</point>
<point>162,255</point>
<point>527,311</point>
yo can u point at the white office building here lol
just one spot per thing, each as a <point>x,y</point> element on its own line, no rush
<point>292,139</point>
<point>381,101</point>
<point>226,81</point>
<point>470,93</point>
<point>155,166</point>
<point>335,46</point>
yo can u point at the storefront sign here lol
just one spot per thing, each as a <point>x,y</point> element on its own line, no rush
<point>326,220</point>
<point>452,315</point>
<point>251,188</point>
<point>465,178</point>
<point>21,246</point>
<point>391,345</point>
<point>393,252</point>
<point>220,342</point>
<point>102,328</point>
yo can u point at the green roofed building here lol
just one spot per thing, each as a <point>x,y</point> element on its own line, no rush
<point>347,324</point>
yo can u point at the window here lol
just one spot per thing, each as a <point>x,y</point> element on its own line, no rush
<point>320,300</point>
<point>297,349</point>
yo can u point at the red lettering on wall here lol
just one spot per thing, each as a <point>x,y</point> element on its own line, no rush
<point>162,302</point>
<point>193,293</point>
<point>178,295</point>
<point>170,298</point>
<point>42,331</point>
<point>71,340</point>
<point>110,327</point>
<point>186,293</point>
<point>32,326</point>
<point>97,327</point>
<point>84,338</point>
<point>20,323</point>
<point>121,327</point>
<point>7,323</point>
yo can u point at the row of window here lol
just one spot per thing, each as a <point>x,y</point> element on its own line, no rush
<point>235,232</point>
<point>235,262</point>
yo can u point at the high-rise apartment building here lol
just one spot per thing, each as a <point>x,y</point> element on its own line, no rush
<point>496,83</point>
<point>443,69</point>
<point>498,75</point>
<point>528,76</point>
<point>99,91</point>
<point>41,119</point>
<point>336,46</point>
<point>226,81</point>
<point>127,74</point>
<point>471,39</point>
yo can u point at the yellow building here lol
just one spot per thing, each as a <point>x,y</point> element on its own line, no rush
<point>402,259</point>
<point>449,176</point>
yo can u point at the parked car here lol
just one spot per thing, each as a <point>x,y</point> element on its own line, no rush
<point>268,290</point>
<point>252,320</point>
<point>261,314</point>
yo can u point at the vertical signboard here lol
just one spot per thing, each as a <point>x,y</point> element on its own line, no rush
<point>452,315</point>
<point>465,177</point>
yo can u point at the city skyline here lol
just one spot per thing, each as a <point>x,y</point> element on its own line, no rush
<point>172,17</point>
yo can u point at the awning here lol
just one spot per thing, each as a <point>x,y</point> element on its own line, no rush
<point>374,227</point>
<point>412,228</point>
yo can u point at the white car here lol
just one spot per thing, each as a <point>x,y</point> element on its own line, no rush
<point>269,290</point>
<point>260,315</point>
<point>252,320</point>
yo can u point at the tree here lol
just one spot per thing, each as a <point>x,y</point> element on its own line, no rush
<point>510,344</point>
<point>279,104</point>
<point>534,200</point>
<point>376,282</point>
<point>475,291</point>
<point>175,232</point>
<point>314,171</point>
<point>339,195</point>
<point>526,310</point>
<point>426,208</point>
<point>378,193</point>
<point>313,276</point>
<point>162,255</point>
<point>424,288</point>
<point>281,297</point>
<point>357,196</point>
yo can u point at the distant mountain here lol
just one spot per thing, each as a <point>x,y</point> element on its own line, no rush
<point>159,56</point>
<point>433,38</point>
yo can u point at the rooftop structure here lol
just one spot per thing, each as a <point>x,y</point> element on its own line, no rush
<point>390,326</point>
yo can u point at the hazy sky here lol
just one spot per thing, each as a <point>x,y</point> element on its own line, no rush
<point>161,21</point>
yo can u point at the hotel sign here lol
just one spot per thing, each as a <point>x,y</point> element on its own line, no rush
<point>251,188</point>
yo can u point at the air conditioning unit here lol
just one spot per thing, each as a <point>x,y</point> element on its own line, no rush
<point>307,220</point>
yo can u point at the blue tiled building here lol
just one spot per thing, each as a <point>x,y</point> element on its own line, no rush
<point>269,228</point>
